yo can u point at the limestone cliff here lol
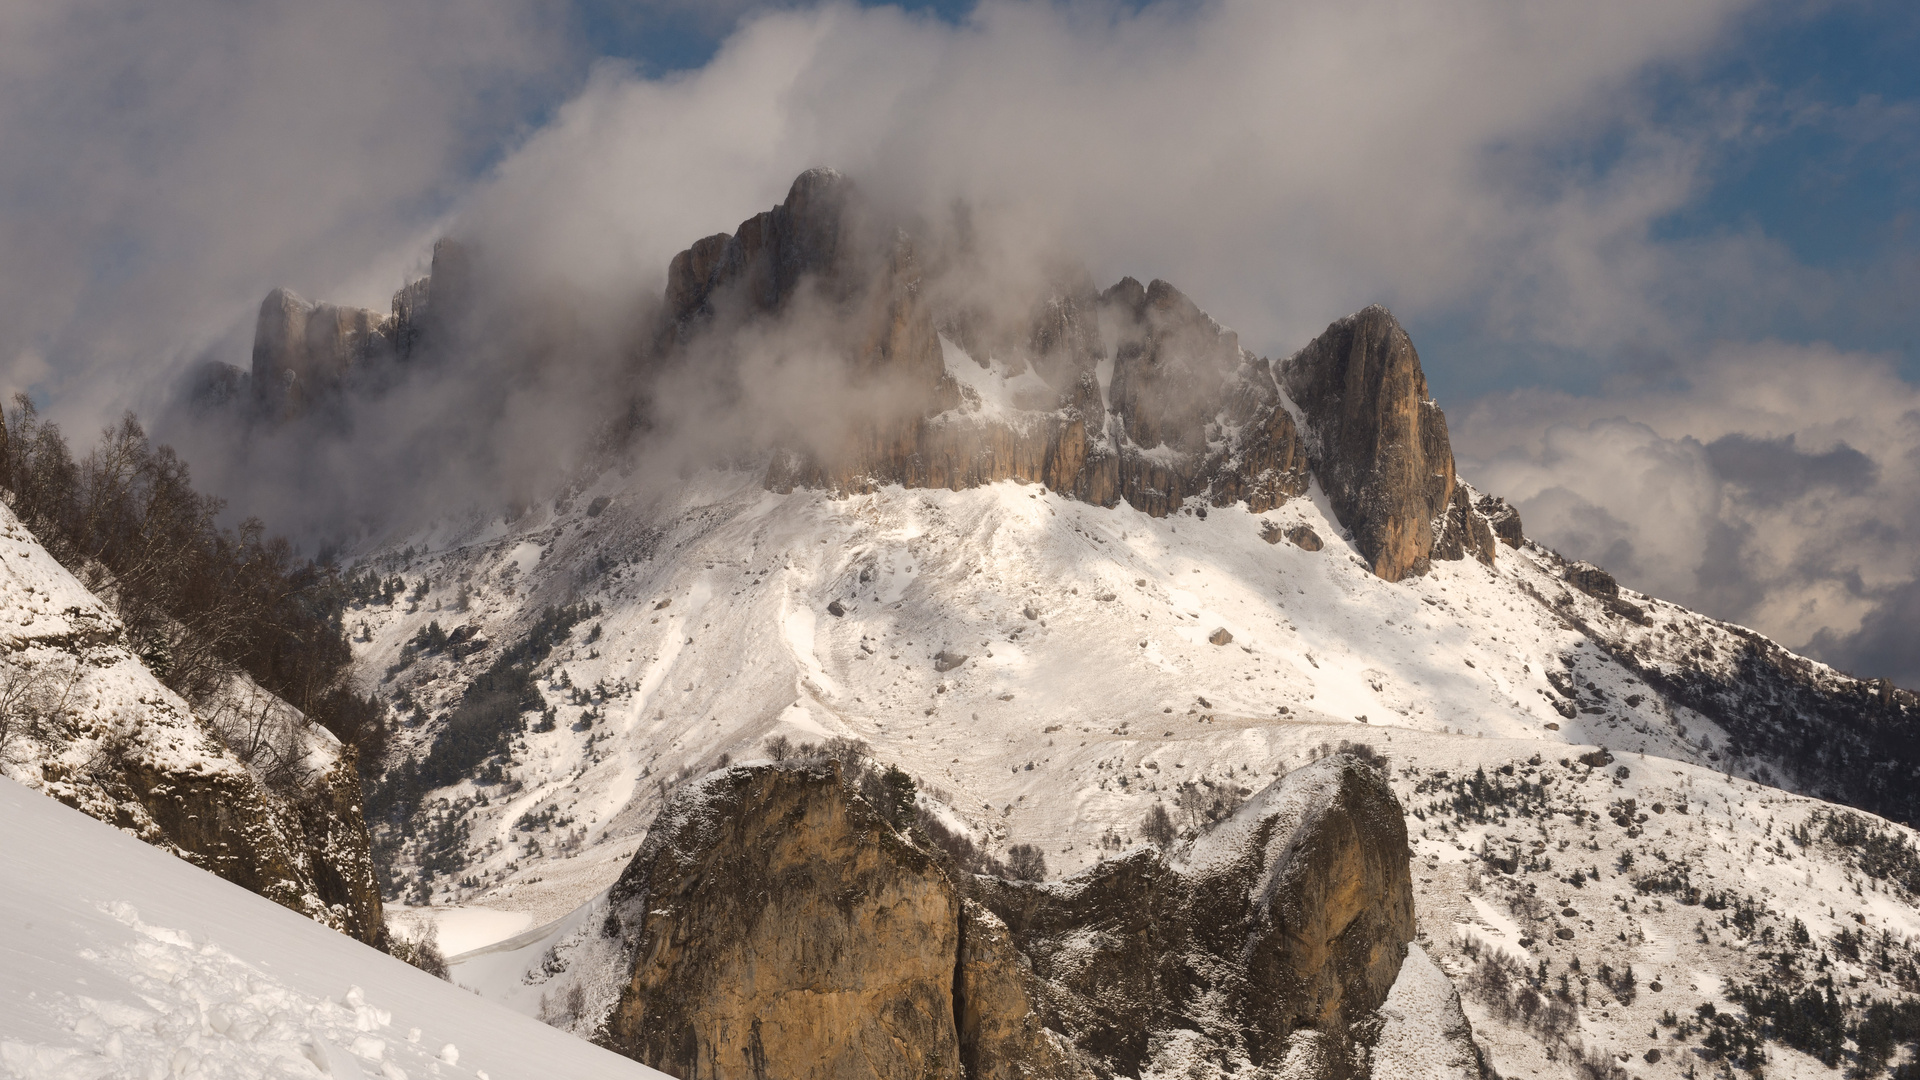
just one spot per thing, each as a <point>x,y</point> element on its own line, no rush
<point>1129,395</point>
<point>305,354</point>
<point>1379,448</point>
<point>775,924</point>
<point>1183,414</point>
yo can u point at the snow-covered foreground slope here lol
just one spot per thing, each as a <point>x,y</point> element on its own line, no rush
<point>119,960</point>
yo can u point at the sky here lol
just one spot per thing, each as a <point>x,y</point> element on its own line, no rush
<point>1660,258</point>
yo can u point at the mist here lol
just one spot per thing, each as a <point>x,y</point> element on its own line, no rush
<point>1281,164</point>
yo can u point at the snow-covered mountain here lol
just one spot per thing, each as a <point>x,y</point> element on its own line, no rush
<point>1092,559</point>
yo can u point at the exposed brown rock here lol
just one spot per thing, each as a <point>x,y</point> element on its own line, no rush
<point>1305,538</point>
<point>1378,445</point>
<point>777,925</point>
<point>1001,1035</point>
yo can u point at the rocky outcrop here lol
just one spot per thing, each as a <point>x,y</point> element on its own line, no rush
<point>777,925</point>
<point>305,354</point>
<point>1192,415</point>
<point>1186,413</point>
<point>1502,517</point>
<point>1378,445</point>
<point>1183,417</point>
<point>88,724</point>
<point>1291,917</point>
<point>774,923</point>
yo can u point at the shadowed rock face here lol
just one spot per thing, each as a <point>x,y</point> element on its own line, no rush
<point>1379,447</point>
<point>776,924</point>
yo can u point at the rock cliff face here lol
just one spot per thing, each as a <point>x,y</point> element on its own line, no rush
<point>1378,445</point>
<point>779,926</point>
<point>775,924</point>
<point>86,723</point>
<point>1185,414</point>
<point>1129,395</point>
<point>305,354</point>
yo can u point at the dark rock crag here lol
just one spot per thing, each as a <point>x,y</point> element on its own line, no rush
<point>776,924</point>
<point>1187,414</point>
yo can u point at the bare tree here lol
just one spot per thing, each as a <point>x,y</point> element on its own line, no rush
<point>34,695</point>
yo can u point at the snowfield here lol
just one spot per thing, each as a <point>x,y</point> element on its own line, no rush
<point>1049,670</point>
<point>119,960</point>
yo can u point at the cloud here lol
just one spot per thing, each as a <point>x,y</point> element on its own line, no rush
<point>1773,485</point>
<point>164,162</point>
<point>1506,165</point>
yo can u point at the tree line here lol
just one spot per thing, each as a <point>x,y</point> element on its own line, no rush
<point>198,600</point>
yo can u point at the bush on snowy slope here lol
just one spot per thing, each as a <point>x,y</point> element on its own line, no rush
<point>83,720</point>
<point>199,603</point>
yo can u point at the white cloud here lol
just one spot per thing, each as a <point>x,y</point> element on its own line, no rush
<point>165,162</point>
<point>1770,484</point>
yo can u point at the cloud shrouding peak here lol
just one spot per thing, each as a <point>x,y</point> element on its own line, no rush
<point>1468,161</point>
<point>1283,163</point>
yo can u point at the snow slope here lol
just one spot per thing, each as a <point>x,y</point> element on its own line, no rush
<point>1089,684</point>
<point>117,960</point>
<point>1047,670</point>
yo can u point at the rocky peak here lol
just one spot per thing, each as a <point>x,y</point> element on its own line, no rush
<point>1378,445</point>
<point>757,269</point>
<point>303,351</point>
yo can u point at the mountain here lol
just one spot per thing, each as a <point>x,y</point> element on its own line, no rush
<point>1100,584</point>
<point>244,787</point>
